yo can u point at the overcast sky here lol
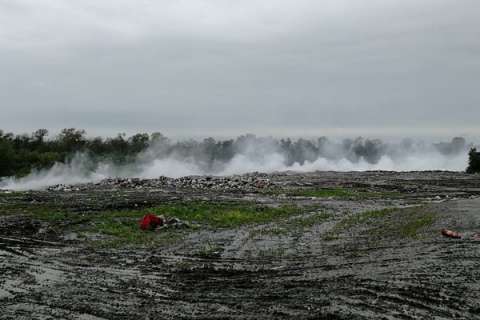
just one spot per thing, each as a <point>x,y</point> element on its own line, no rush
<point>222,67</point>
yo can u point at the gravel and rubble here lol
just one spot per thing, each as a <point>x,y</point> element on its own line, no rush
<point>245,183</point>
<point>407,182</point>
<point>363,245</point>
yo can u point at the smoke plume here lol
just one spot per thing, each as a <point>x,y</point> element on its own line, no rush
<point>250,153</point>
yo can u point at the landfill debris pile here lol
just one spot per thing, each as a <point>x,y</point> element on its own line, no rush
<point>242,183</point>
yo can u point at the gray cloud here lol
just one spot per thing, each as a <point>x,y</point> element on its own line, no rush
<point>195,67</point>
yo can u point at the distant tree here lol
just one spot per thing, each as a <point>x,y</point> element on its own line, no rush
<point>118,148</point>
<point>7,159</point>
<point>138,142</point>
<point>288,150</point>
<point>39,135</point>
<point>21,141</point>
<point>226,150</point>
<point>72,139</point>
<point>207,151</point>
<point>373,150</point>
<point>473,161</point>
<point>303,150</point>
<point>96,146</point>
<point>158,138</point>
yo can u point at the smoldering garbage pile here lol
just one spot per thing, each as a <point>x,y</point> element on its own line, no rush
<point>245,183</point>
<point>248,154</point>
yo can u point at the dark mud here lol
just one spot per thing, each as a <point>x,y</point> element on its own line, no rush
<point>339,257</point>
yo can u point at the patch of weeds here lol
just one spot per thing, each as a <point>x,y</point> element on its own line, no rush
<point>224,215</point>
<point>37,211</point>
<point>20,203</point>
<point>53,215</point>
<point>361,218</point>
<point>311,220</point>
<point>9,194</point>
<point>122,237</point>
<point>122,226</point>
<point>387,223</point>
<point>275,231</point>
<point>406,223</point>
<point>323,192</point>
<point>210,251</point>
<point>412,227</point>
<point>343,193</point>
<point>272,253</point>
<point>296,223</point>
<point>12,208</point>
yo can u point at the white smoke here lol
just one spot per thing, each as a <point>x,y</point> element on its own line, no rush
<point>74,171</point>
<point>252,156</point>
<point>169,167</point>
<point>386,163</point>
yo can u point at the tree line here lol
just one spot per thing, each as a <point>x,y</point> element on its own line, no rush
<point>22,153</point>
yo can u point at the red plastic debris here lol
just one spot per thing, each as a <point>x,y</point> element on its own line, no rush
<point>451,234</point>
<point>150,222</point>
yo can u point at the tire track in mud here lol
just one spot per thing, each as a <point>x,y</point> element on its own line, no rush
<point>434,278</point>
<point>287,289</point>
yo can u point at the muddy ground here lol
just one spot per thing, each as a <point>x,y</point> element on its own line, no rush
<point>347,246</point>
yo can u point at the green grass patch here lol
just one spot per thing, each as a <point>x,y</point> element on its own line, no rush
<point>342,193</point>
<point>272,253</point>
<point>387,223</point>
<point>53,214</point>
<point>310,220</point>
<point>412,227</point>
<point>271,231</point>
<point>132,237</point>
<point>323,192</point>
<point>6,195</point>
<point>210,251</point>
<point>121,227</point>
<point>36,210</point>
<point>362,218</point>
<point>21,203</point>
<point>295,224</point>
<point>224,215</point>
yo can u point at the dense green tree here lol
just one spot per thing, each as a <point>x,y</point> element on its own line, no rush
<point>473,161</point>
<point>7,159</point>
<point>138,142</point>
<point>19,154</point>
<point>39,135</point>
<point>72,139</point>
